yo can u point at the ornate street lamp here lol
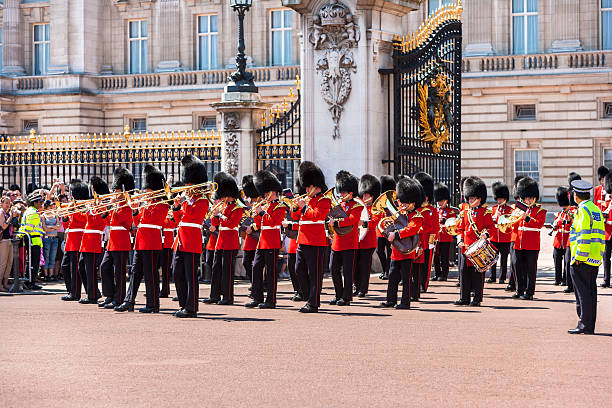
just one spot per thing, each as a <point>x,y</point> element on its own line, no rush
<point>241,80</point>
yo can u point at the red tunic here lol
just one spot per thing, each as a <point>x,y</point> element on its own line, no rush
<point>562,223</point>
<point>271,221</point>
<point>483,221</point>
<point>92,236</point>
<point>431,226</point>
<point>212,240</point>
<point>498,211</point>
<point>369,240</point>
<point>350,240</point>
<point>312,222</point>
<point>528,233</point>
<point>73,228</point>
<point>446,213</point>
<point>149,222</point>
<point>228,228</point>
<point>120,223</point>
<point>190,218</point>
<point>250,243</point>
<point>168,232</point>
<point>415,223</point>
<point>295,225</point>
<point>607,210</point>
<point>599,197</point>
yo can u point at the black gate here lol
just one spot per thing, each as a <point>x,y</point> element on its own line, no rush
<point>425,133</point>
<point>278,142</point>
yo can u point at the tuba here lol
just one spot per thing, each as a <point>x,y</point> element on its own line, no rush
<point>336,211</point>
<point>395,220</point>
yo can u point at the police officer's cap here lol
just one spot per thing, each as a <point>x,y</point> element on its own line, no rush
<point>581,186</point>
<point>35,196</point>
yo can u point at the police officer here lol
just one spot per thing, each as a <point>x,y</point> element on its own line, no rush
<point>587,246</point>
<point>31,224</point>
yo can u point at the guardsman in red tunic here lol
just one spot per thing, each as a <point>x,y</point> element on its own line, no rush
<point>501,240</point>
<point>369,190</point>
<point>560,231</point>
<point>607,212</point>
<point>527,244</point>
<point>271,215</point>
<point>344,247</point>
<point>460,256</point>
<point>251,196</point>
<point>74,225</point>
<point>512,278</point>
<point>167,253</point>
<point>91,244</point>
<point>599,196</point>
<point>291,224</point>
<point>114,263</point>
<point>211,226</point>
<point>312,239</point>
<point>188,242</point>
<point>228,241</point>
<point>445,212</point>
<point>429,232</point>
<point>149,220</point>
<point>383,247</point>
<point>410,195</point>
<point>474,221</point>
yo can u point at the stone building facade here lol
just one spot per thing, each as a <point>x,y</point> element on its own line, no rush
<point>537,74</point>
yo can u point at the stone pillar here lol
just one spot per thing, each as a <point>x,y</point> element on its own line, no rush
<point>478,27</point>
<point>60,35</point>
<point>168,34</point>
<point>12,47</point>
<point>344,112</point>
<point>564,22</point>
<point>237,122</point>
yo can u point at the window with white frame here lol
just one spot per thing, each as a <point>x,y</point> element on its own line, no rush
<point>526,163</point>
<point>138,46</point>
<point>606,24</point>
<point>207,123</point>
<point>138,125</point>
<point>433,5</point>
<point>524,26</point>
<point>40,60</point>
<point>607,158</point>
<point>208,34</point>
<point>282,50</point>
<point>29,124</point>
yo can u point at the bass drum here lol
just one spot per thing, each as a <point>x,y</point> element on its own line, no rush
<point>405,245</point>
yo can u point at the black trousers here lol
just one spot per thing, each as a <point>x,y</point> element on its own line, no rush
<point>460,263</point>
<point>383,250</point>
<point>512,278</point>
<point>310,261</point>
<point>247,261</point>
<point>400,271</point>
<point>145,264</point>
<point>441,260</point>
<point>363,269</point>
<point>568,276</point>
<point>558,259</point>
<point>167,262</point>
<point>526,270</point>
<point>210,257</point>
<point>185,266</point>
<point>342,268</point>
<point>66,270</point>
<point>415,280</point>
<point>113,270</point>
<point>471,281</point>
<point>90,260</point>
<point>295,281</point>
<point>425,270</point>
<point>585,288</point>
<point>265,259</point>
<point>606,261</point>
<point>504,251</point>
<point>222,280</point>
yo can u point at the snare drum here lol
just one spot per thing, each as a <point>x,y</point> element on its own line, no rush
<point>482,255</point>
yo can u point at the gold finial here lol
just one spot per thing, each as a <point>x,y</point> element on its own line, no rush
<point>285,104</point>
<point>297,82</point>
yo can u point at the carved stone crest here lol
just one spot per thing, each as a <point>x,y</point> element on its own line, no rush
<point>334,33</point>
<point>231,143</point>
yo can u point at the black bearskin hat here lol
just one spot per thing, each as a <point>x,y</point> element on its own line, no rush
<point>563,196</point>
<point>441,192</point>
<point>311,175</point>
<point>194,171</point>
<point>153,179</point>
<point>98,185</point>
<point>14,187</point>
<point>500,190</point>
<point>369,184</point>
<point>265,181</point>
<point>572,177</point>
<point>79,190</point>
<point>347,183</point>
<point>409,191</point>
<point>475,187</point>
<point>528,187</point>
<point>299,188</point>
<point>607,185</point>
<point>250,191</point>
<point>226,186</point>
<point>30,188</point>
<point>427,182</point>
<point>602,171</point>
<point>387,183</point>
<point>123,179</point>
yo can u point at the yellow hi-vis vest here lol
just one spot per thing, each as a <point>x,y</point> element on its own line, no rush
<point>588,235</point>
<point>31,224</point>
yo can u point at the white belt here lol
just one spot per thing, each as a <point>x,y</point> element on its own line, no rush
<point>117,228</point>
<point>529,229</point>
<point>157,227</point>
<point>168,229</point>
<point>190,224</point>
<point>90,231</point>
<point>228,229</point>
<point>268,227</point>
<point>312,222</point>
<point>74,230</point>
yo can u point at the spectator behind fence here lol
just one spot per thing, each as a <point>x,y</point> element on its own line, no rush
<point>51,224</point>
<point>7,215</point>
<point>14,192</point>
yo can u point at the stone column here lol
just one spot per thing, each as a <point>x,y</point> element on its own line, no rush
<point>12,47</point>
<point>478,27</point>
<point>564,23</point>
<point>237,121</point>
<point>168,35</point>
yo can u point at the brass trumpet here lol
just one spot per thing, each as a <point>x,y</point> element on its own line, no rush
<point>505,223</point>
<point>292,202</point>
